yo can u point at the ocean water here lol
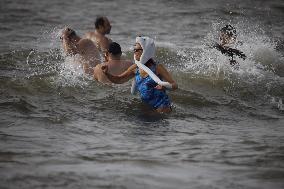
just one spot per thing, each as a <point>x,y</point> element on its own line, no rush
<point>61,129</point>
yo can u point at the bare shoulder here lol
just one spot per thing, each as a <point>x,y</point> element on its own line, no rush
<point>86,42</point>
<point>89,34</point>
<point>105,41</point>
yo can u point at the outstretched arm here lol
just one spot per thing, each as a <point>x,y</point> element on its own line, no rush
<point>238,53</point>
<point>230,51</point>
<point>122,78</point>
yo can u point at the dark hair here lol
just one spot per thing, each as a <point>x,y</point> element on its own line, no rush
<point>99,22</point>
<point>72,33</point>
<point>114,48</point>
<point>229,30</point>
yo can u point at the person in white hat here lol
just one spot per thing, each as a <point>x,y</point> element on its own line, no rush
<point>151,78</point>
<point>73,45</point>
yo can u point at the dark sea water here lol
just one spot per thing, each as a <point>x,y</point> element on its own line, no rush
<point>61,129</point>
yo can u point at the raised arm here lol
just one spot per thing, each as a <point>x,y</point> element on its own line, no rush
<point>122,78</point>
<point>161,70</point>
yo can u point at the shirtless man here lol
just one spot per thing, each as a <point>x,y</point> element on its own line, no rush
<point>114,62</point>
<point>88,53</point>
<point>102,27</point>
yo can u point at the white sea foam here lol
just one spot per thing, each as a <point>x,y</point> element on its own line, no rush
<point>262,58</point>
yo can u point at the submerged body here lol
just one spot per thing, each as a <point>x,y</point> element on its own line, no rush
<point>156,98</point>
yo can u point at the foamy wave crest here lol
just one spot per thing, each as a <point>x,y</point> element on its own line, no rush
<point>52,64</point>
<point>262,57</point>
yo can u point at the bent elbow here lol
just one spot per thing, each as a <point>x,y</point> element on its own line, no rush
<point>175,86</point>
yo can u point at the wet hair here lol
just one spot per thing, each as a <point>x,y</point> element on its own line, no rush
<point>72,34</point>
<point>229,30</point>
<point>99,22</point>
<point>114,48</point>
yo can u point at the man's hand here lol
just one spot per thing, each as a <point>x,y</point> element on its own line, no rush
<point>159,87</point>
<point>105,69</point>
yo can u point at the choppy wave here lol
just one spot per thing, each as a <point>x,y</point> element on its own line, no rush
<point>204,76</point>
<point>203,68</point>
<point>61,129</point>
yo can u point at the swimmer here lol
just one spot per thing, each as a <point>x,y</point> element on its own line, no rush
<point>102,27</point>
<point>116,65</point>
<point>145,70</point>
<point>228,36</point>
<point>88,53</point>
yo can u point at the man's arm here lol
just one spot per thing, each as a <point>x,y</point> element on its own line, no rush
<point>230,51</point>
<point>68,46</point>
<point>97,72</point>
<point>99,75</point>
<point>104,43</point>
<point>122,78</point>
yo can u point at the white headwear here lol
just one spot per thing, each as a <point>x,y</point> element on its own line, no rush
<point>148,47</point>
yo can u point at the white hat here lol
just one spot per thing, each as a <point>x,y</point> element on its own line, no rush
<point>148,47</point>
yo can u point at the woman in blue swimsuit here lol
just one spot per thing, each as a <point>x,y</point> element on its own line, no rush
<point>150,92</point>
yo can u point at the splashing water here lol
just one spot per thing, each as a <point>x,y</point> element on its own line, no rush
<point>64,70</point>
<point>71,73</point>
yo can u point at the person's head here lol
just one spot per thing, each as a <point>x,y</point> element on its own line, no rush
<point>102,25</point>
<point>114,50</point>
<point>68,33</point>
<point>228,34</point>
<point>144,49</point>
<point>137,51</point>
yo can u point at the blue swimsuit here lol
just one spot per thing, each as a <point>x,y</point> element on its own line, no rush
<point>154,97</point>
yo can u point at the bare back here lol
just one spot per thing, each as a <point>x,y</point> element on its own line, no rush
<point>99,40</point>
<point>89,52</point>
<point>115,67</point>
